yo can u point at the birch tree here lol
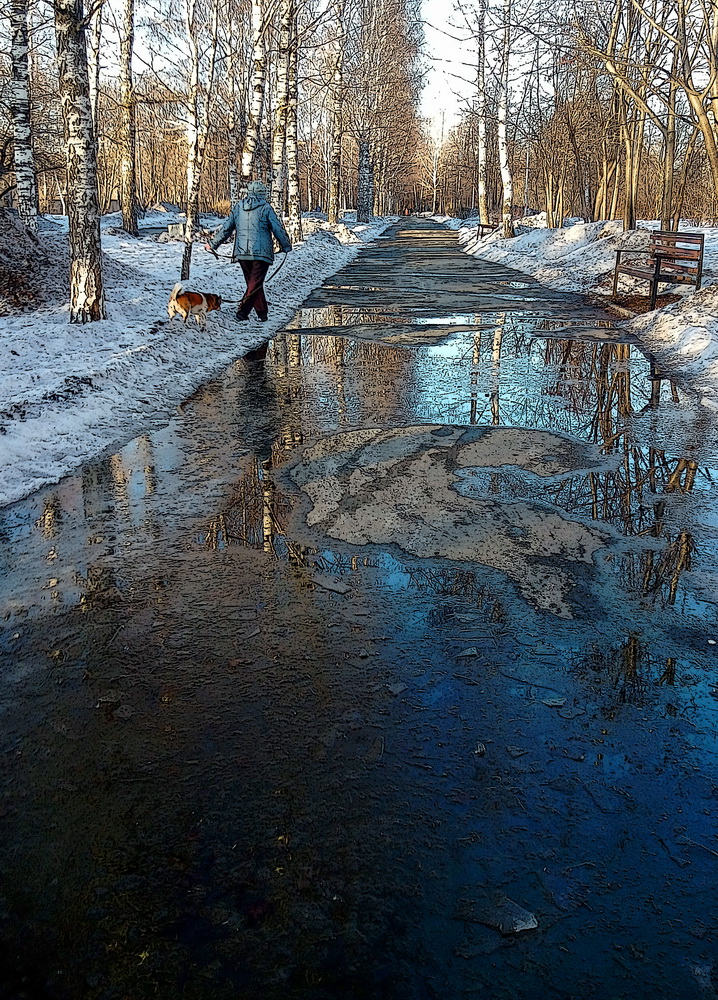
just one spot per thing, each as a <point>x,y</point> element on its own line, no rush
<point>259,73</point>
<point>128,181</point>
<point>23,158</point>
<point>507,224</point>
<point>481,113</point>
<point>281,98</point>
<point>199,100</point>
<point>94,42</point>
<point>294,210</point>
<point>232,124</point>
<point>86,290</point>
<point>337,122</point>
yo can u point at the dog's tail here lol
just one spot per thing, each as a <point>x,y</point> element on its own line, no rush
<point>176,290</point>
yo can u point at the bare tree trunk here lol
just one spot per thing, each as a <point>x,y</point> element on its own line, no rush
<point>293,192</point>
<point>23,159</point>
<point>365,192</point>
<point>128,178</point>
<point>481,113</point>
<point>337,94</point>
<point>669,159</point>
<point>232,172</point>
<point>506,179</point>
<point>259,70</point>
<point>197,124</point>
<point>86,291</point>
<point>94,39</point>
<point>687,157</point>
<point>629,205</point>
<point>279,138</point>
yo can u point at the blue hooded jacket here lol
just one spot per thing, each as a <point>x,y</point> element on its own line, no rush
<point>253,222</point>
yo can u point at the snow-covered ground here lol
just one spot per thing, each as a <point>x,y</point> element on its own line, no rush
<point>580,257</point>
<point>68,392</point>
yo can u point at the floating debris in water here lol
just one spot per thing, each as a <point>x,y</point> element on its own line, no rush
<point>500,913</point>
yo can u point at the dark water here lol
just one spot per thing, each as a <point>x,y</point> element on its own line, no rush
<point>239,759</point>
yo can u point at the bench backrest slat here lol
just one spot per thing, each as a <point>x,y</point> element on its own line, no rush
<point>676,253</point>
<point>675,239</point>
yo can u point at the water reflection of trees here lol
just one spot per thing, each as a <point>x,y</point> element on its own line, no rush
<point>600,402</point>
<point>257,513</point>
<point>457,582</point>
<point>629,667</point>
<point>352,380</point>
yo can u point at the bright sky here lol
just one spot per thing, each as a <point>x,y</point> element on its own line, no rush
<point>442,94</point>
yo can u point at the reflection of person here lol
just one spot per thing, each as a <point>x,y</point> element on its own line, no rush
<point>253,222</point>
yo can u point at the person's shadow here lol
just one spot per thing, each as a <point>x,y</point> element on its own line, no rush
<point>260,404</point>
<point>257,353</point>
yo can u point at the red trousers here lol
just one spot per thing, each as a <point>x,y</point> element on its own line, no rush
<point>254,271</point>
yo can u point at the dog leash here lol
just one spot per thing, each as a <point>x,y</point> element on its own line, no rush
<point>275,272</point>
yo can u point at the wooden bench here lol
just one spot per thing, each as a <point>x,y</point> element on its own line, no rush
<point>484,228</point>
<point>672,257</point>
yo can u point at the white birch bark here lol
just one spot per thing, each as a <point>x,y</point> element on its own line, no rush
<point>94,40</point>
<point>337,124</point>
<point>232,171</point>
<point>128,180</point>
<point>279,138</point>
<point>259,71</point>
<point>86,290</point>
<point>193,137</point>
<point>198,110</point>
<point>24,161</point>
<point>481,166</point>
<point>294,209</point>
<point>503,103</point>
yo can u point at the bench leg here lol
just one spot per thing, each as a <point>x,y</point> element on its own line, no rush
<point>615,284</point>
<point>654,293</point>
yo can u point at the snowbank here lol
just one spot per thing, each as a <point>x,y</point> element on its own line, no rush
<point>683,337</point>
<point>68,392</point>
<point>579,257</point>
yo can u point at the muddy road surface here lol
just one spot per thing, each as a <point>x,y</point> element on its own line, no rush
<point>390,644</point>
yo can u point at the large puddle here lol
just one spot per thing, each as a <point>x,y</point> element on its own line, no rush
<point>371,632</point>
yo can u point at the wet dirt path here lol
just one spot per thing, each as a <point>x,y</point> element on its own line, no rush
<point>416,614</point>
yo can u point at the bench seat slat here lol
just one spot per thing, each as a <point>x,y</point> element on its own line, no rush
<point>663,275</point>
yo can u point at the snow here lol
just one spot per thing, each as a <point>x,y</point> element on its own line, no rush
<point>683,337</point>
<point>69,392</point>
<point>579,257</point>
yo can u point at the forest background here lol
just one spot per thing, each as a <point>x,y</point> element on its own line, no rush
<point>598,109</point>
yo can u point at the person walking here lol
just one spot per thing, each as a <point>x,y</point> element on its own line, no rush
<point>253,222</point>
